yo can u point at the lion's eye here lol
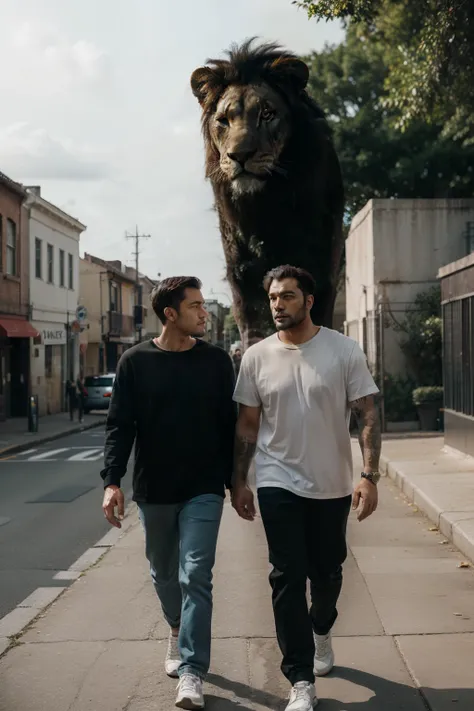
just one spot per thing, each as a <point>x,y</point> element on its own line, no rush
<point>222,120</point>
<point>267,114</point>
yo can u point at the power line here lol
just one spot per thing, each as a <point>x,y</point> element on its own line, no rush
<point>138,316</point>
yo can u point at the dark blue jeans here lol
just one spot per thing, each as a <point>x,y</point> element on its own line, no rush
<point>181,544</point>
<point>306,541</point>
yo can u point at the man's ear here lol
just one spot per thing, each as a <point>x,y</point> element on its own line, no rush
<point>170,314</point>
<point>310,301</point>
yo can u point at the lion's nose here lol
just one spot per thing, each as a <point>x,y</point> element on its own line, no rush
<point>241,157</point>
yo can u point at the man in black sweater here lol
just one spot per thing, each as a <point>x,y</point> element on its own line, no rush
<point>172,397</point>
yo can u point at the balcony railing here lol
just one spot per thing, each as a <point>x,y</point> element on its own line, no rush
<point>120,325</point>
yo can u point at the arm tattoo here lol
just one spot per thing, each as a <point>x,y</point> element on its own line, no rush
<point>244,449</point>
<point>370,438</point>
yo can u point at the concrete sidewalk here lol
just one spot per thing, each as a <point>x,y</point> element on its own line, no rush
<point>439,482</point>
<point>14,435</point>
<point>404,639</point>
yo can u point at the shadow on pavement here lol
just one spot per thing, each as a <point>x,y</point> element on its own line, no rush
<point>384,694</point>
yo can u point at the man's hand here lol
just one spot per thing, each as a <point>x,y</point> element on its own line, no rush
<point>113,498</point>
<point>365,499</point>
<point>243,502</point>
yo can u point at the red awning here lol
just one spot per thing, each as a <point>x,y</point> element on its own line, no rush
<point>17,328</point>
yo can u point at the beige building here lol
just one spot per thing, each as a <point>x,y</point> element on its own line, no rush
<point>150,325</point>
<point>393,253</point>
<point>54,287</point>
<point>107,294</point>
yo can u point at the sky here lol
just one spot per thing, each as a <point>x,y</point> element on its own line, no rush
<point>96,108</point>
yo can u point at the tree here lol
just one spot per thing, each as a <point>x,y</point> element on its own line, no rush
<point>430,48</point>
<point>377,158</point>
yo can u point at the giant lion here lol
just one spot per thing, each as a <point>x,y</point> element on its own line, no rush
<point>275,175</point>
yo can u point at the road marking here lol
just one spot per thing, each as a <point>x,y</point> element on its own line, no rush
<point>90,455</point>
<point>29,451</point>
<point>74,454</point>
<point>45,455</point>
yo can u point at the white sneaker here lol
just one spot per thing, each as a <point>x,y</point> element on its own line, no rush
<point>190,694</point>
<point>324,656</point>
<point>302,697</point>
<point>173,659</point>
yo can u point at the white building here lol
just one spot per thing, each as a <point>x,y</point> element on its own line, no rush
<point>54,288</point>
<point>393,252</point>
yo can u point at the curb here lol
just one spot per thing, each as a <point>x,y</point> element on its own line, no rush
<point>446,523</point>
<point>22,446</point>
<point>15,623</point>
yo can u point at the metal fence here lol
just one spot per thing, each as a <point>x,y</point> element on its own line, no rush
<point>458,355</point>
<point>381,336</point>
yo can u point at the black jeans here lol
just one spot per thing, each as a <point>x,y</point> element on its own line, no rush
<point>306,540</point>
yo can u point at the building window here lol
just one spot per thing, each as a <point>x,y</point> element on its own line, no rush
<point>38,258</point>
<point>114,305</point>
<point>48,361</point>
<point>1,243</point>
<point>50,264</point>
<point>11,248</point>
<point>70,271</point>
<point>62,267</point>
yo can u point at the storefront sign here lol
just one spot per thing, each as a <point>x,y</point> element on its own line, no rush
<point>53,336</point>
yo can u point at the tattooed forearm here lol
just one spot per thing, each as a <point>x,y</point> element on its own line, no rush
<point>370,437</point>
<point>244,449</point>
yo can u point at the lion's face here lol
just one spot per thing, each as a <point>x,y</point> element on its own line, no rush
<point>249,129</point>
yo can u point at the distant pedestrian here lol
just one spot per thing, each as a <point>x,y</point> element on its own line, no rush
<point>71,398</point>
<point>81,394</point>
<point>296,390</point>
<point>172,397</point>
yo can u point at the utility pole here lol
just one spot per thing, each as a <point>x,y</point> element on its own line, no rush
<point>138,315</point>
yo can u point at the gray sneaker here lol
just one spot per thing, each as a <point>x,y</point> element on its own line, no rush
<point>173,659</point>
<point>302,697</point>
<point>190,694</point>
<point>324,655</point>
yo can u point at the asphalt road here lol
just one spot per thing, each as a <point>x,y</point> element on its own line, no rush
<point>50,512</point>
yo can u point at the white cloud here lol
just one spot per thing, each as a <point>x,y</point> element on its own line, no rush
<point>52,61</point>
<point>32,153</point>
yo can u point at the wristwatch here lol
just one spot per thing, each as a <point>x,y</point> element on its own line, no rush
<point>373,477</point>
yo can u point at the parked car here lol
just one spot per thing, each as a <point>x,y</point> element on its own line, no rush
<point>99,391</point>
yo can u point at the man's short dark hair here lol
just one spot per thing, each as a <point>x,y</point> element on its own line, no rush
<point>303,278</point>
<point>170,292</point>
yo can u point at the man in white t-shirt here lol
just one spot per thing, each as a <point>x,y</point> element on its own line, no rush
<point>296,390</point>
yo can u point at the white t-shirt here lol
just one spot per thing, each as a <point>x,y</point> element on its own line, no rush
<point>304,391</point>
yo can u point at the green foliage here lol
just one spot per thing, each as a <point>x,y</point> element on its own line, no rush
<point>398,399</point>
<point>379,160</point>
<point>421,342</point>
<point>231,328</point>
<point>428,394</point>
<point>429,45</point>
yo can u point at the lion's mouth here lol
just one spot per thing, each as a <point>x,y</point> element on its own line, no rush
<point>249,175</point>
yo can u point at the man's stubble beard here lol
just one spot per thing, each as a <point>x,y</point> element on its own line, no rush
<point>292,322</point>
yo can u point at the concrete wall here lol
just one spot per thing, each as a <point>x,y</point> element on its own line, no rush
<point>393,252</point>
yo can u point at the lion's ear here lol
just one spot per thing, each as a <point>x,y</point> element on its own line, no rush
<point>292,71</point>
<point>201,80</point>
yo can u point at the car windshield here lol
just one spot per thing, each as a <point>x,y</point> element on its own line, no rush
<point>99,381</point>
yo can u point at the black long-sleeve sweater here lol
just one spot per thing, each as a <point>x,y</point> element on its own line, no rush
<point>177,407</point>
